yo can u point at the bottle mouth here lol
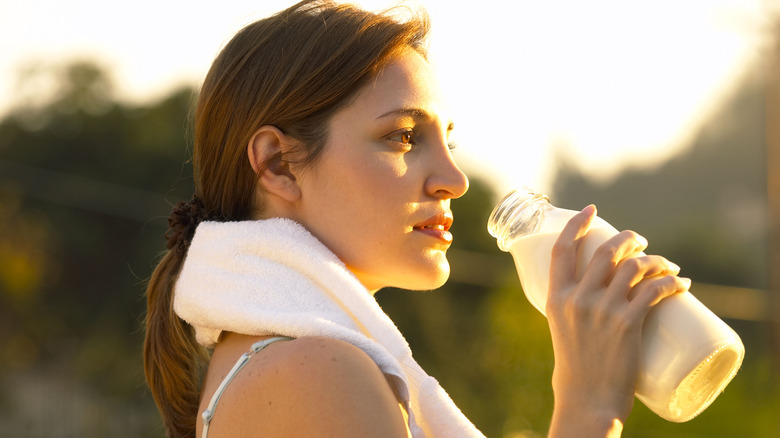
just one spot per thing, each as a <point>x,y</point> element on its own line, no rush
<point>511,217</point>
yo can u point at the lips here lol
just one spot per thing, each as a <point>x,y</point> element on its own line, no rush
<point>437,226</point>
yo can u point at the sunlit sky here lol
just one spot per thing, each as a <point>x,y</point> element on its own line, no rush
<point>614,83</point>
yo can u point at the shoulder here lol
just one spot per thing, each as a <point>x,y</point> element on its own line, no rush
<point>320,367</point>
<point>312,386</point>
<point>317,354</point>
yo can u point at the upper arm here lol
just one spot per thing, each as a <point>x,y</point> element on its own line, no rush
<point>311,386</point>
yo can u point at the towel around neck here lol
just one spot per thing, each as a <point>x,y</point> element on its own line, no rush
<point>274,277</point>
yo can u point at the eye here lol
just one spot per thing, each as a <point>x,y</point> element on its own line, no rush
<point>403,136</point>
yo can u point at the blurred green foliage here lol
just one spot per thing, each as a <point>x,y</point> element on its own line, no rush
<point>86,185</point>
<point>85,189</point>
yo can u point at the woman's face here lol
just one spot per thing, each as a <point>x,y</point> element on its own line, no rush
<point>379,195</point>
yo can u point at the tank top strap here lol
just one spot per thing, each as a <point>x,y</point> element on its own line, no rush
<point>257,347</point>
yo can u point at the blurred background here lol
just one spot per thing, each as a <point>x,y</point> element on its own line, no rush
<point>663,114</point>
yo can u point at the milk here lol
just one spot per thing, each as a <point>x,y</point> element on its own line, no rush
<point>688,355</point>
<point>532,255</point>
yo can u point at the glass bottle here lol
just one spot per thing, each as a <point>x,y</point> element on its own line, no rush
<point>689,355</point>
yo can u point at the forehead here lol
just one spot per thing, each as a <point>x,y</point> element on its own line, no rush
<point>408,82</point>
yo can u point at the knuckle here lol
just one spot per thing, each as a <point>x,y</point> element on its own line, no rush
<point>633,234</point>
<point>661,260</point>
<point>670,282</point>
<point>633,264</point>
<point>625,323</point>
<point>636,237</point>
<point>679,284</point>
<point>664,263</point>
<point>659,287</point>
<point>579,306</point>
<point>556,305</point>
<point>553,303</point>
<point>628,234</point>
<point>607,251</point>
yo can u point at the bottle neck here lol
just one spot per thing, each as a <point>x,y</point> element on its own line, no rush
<point>519,214</point>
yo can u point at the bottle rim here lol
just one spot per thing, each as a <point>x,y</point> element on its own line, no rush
<point>511,212</point>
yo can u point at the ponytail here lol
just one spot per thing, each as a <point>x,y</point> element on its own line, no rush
<point>173,360</point>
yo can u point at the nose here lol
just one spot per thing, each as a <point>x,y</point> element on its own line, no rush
<point>446,180</point>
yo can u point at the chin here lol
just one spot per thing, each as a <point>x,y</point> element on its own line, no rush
<point>431,279</point>
<point>424,274</point>
<point>439,282</point>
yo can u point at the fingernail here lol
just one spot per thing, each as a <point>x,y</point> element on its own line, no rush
<point>674,267</point>
<point>686,282</point>
<point>641,240</point>
<point>589,209</point>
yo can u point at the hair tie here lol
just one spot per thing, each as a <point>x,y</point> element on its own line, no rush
<point>182,222</point>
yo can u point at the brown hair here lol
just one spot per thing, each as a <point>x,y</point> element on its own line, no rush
<point>293,70</point>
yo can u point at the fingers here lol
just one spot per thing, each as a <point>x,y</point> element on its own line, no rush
<point>619,274</point>
<point>642,282</point>
<point>564,252</point>
<point>603,266</point>
<point>630,271</point>
<point>652,290</point>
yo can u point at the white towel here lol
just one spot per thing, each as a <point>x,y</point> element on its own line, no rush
<point>274,277</point>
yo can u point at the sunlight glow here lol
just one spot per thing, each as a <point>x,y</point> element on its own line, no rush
<point>612,83</point>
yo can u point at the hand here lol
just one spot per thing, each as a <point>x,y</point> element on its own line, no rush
<point>596,325</point>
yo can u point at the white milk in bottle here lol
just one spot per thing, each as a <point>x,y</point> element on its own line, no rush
<point>689,355</point>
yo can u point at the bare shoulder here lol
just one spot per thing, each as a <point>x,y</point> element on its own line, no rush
<point>309,365</point>
<point>311,386</point>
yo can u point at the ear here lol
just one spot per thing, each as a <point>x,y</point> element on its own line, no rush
<point>266,150</point>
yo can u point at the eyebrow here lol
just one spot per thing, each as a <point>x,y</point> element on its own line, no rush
<point>413,112</point>
<point>417,113</point>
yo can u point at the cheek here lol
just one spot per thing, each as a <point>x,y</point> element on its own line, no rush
<point>341,202</point>
<point>370,184</point>
<point>372,218</point>
<point>373,200</point>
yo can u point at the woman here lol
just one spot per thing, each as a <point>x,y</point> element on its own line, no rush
<point>323,173</point>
